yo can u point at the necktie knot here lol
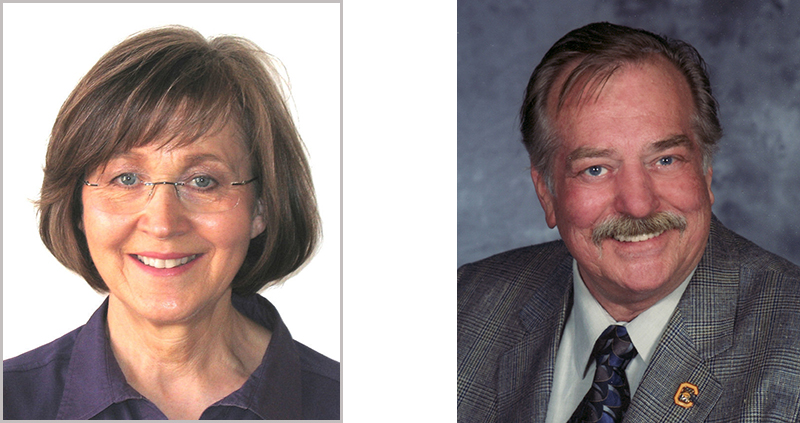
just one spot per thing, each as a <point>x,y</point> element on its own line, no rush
<point>609,396</point>
<point>614,348</point>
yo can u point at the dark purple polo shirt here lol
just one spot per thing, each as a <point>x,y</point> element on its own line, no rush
<point>77,377</point>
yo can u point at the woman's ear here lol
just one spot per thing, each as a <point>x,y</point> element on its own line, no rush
<point>259,223</point>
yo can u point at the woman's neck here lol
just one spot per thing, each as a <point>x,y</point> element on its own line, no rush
<point>185,367</point>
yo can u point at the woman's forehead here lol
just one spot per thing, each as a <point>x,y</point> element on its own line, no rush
<point>224,148</point>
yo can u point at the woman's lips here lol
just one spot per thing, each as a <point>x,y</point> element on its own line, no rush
<point>160,263</point>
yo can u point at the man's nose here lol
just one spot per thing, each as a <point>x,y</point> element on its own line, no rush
<point>635,192</point>
<point>164,214</point>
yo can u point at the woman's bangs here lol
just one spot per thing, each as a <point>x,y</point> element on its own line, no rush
<point>178,114</point>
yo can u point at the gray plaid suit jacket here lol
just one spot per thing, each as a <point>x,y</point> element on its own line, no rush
<point>735,335</point>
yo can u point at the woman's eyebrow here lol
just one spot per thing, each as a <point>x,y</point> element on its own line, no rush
<point>194,159</point>
<point>123,158</point>
<point>128,155</point>
<point>210,159</point>
<point>188,160</point>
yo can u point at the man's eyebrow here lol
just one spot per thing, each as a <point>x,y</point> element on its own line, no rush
<point>671,142</point>
<point>661,145</point>
<point>588,152</point>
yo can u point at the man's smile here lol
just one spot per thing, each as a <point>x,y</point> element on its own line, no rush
<point>637,238</point>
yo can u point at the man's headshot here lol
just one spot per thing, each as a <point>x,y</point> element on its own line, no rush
<point>629,183</point>
<point>648,308</point>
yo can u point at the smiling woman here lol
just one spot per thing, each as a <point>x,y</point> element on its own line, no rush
<point>176,181</point>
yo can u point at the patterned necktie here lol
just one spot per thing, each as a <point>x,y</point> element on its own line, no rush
<point>609,396</point>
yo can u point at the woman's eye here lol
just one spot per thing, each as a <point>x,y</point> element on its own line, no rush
<point>203,181</point>
<point>127,179</point>
<point>595,171</point>
<point>666,161</point>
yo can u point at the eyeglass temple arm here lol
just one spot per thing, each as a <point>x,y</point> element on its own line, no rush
<point>244,182</point>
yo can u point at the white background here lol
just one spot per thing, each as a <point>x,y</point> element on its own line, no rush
<point>398,201</point>
<point>47,48</point>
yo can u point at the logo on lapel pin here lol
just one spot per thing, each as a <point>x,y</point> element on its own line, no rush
<point>686,395</point>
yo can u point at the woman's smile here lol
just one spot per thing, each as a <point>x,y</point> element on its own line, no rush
<point>162,268</point>
<point>165,263</point>
<point>158,265</point>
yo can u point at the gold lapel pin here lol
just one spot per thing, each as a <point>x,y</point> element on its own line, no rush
<point>686,395</point>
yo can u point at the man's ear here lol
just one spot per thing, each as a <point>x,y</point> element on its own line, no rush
<point>259,222</point>
<point>546,198</point>
<point>709,174</point>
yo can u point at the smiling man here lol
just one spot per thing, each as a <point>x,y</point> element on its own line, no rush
<point>648,309</point>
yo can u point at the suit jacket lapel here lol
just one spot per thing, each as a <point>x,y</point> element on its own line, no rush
<point>525,373</point>
<point>700,328</point>
<point>676,360</point>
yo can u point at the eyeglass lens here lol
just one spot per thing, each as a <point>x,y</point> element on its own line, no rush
<point>128,193</point>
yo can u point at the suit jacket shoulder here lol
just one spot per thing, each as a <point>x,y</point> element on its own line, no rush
<point>763,361</point>
<point>511,309</point>
<point>523,269</point>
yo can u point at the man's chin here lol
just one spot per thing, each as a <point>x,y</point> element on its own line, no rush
<point>636,274</point>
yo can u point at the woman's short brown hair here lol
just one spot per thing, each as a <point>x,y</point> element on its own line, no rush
<point>172,85</point>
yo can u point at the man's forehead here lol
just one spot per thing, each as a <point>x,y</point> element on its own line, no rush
<point>581,82</point>
<point>646,102</point>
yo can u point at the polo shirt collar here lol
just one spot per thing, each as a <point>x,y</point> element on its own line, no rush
<point>94,380</point>
<point>274,390</point>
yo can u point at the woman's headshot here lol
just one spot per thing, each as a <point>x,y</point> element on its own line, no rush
<point>176,183</point>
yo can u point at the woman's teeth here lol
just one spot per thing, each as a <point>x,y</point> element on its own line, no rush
<point>638,238</point>
<point>165,264</point>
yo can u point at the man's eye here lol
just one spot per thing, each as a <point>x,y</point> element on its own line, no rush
<point>595,171</point>
<point>666,161</point>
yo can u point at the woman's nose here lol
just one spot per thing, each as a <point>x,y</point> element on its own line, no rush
<point>164,215</point>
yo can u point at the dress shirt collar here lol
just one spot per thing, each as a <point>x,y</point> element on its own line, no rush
<point>591,319</point>
<point>95,381</point>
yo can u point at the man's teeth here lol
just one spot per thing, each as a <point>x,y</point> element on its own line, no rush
<point>165,264</point>
<point>638,238</point>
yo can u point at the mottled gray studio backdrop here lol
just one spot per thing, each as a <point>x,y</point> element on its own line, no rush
<point>752,48</point>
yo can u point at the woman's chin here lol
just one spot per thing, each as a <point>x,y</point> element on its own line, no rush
<point>161,310</point>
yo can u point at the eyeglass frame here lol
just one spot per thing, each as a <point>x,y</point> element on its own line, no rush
<point>174,184</point>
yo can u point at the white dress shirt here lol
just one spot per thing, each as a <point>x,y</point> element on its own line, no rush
<point>586,322</point>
